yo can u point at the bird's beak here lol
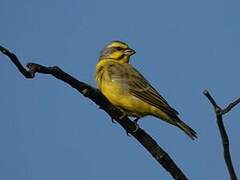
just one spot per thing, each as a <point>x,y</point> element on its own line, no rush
<point>129,52</point>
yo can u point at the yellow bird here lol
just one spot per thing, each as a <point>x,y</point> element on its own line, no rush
<point>127,89</point>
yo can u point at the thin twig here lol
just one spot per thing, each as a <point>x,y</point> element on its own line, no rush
<point>15,61</point>
<point>225,141</point>
<point>96,96</point>
<point>230,106</point>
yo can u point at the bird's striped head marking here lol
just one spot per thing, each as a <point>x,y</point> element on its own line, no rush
<point>116,50</point>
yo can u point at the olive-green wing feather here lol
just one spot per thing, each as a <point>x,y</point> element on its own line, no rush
<point>139,87</point>
<point>142,89</point>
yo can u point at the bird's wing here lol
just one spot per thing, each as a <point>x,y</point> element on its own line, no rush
<point>139,87</point>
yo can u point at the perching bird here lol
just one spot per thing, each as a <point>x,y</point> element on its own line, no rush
<point>127,89</point>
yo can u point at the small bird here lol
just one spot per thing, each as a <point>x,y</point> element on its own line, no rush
<point>126,88</point>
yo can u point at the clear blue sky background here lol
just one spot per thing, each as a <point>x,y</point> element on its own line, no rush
<point>49,131</point>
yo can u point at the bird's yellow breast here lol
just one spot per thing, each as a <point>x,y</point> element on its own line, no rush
<point>117,92</point>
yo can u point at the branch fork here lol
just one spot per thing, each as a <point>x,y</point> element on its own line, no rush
<point>225,141</point>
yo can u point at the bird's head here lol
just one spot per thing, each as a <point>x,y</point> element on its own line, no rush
<point>117,50</point>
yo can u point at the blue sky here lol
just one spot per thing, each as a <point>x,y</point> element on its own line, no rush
<point>49,131</point>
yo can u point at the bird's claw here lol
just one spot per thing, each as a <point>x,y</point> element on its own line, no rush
<point>135,130</point>
<point>124,114</point>
<point>136,126</point>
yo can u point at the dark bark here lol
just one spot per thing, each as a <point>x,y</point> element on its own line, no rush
<point>96,96</point>
<point>225,141</point>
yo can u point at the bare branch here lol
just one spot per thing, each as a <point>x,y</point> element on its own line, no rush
<point>15,61</point>
<point>210,98</point>
<point>225,141</point>
<point>230,106</point>
<point>96,96</point>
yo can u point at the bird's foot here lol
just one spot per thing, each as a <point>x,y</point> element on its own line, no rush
<point>136,125</point>
<point>124,114</point>
<point>136,128</point>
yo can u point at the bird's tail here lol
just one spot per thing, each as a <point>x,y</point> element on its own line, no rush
<point>189,131</point>
<point>173,119</point>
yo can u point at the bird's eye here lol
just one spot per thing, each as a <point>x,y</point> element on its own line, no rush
<point>118,48</point>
